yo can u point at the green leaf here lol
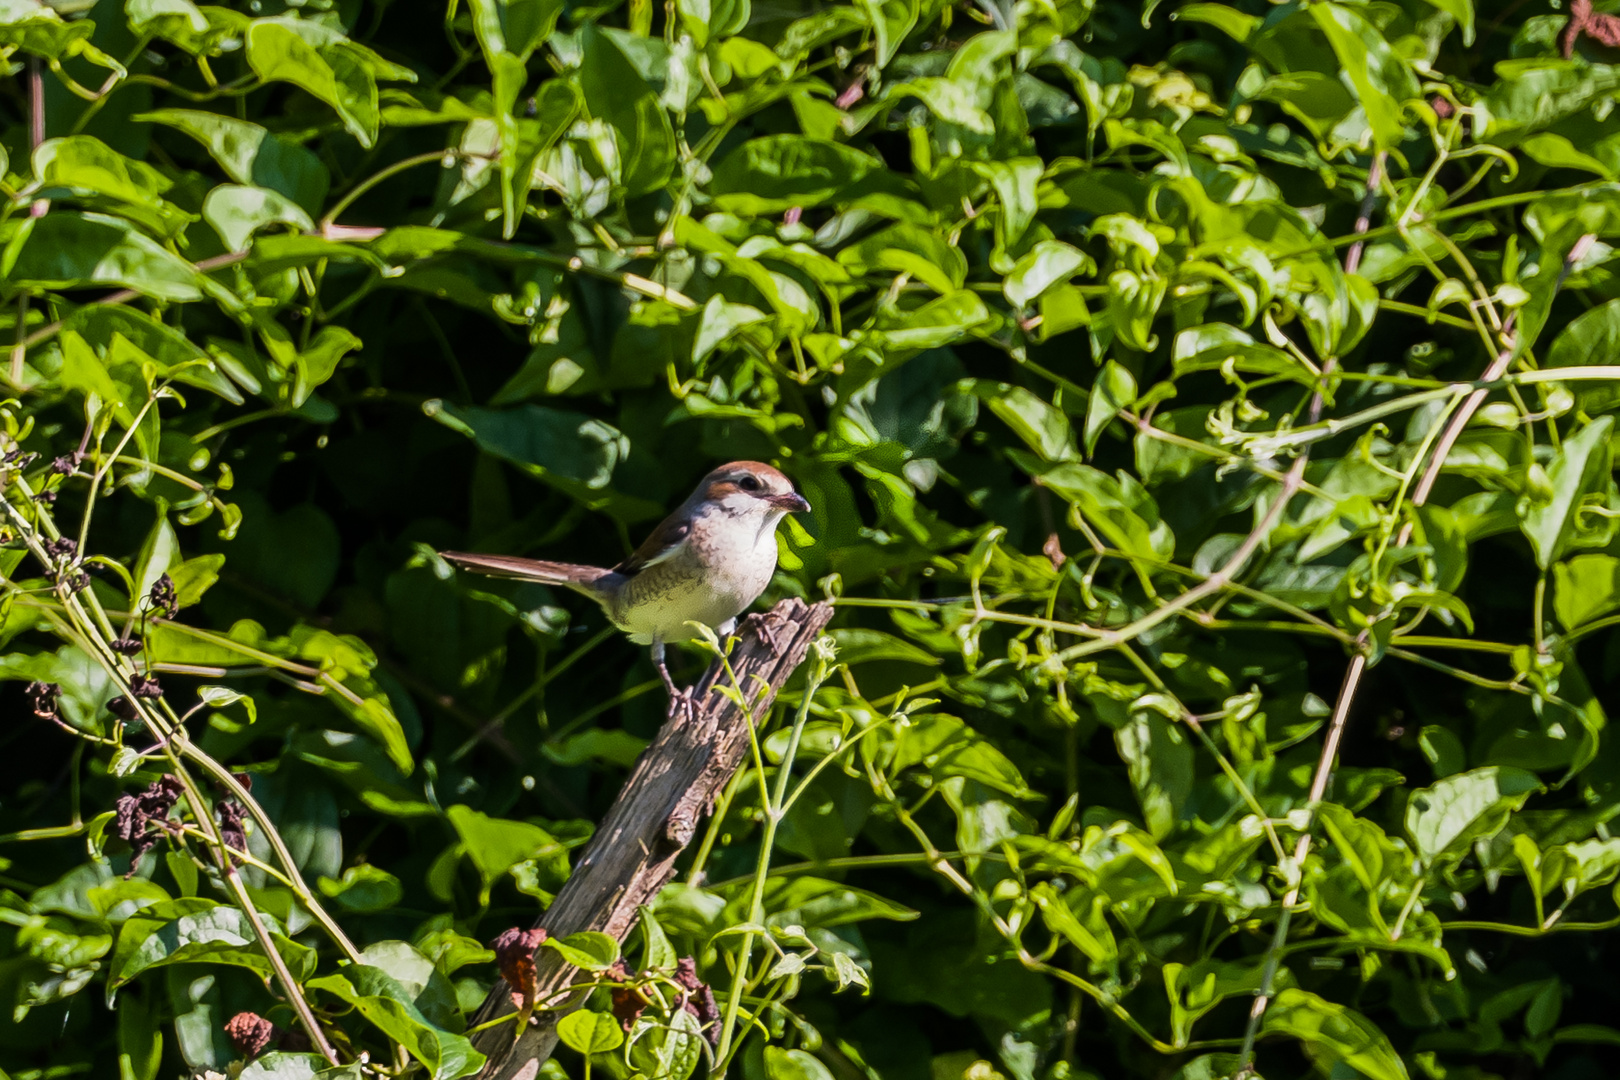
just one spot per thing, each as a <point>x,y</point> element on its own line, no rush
<point>569,450</point>
<point>588,950</point>
<point>237,211</point>
<point>1584,588</point>
<point>65,250</point>
<point>1443,821</point>
<point>776,173</point>
<point>615,92</point>
<point>1581,470</point>
<point>178,21</point>
<point>251,155</point>
<point>1462,11</point>
<point>364,888</point>
<point>390,1007</point>
<point>1556,151</point>
<point>1043,428</point>
<point>1383,82</point>
<point>495,846</point>
<point>1114,390</point>
<point>278,51</point>
<point>709,20</point>
<point>783,1064</point>
<point>195,930</point>
<point>87,166</point>
<point>1116,506</point>
<point>657,952</point>
<point>945,746</point>
<point>1159,755</point>
<point>589,1032</point>
<point>514,27</point>
<point>1048,263</point>
<point>1236,24</point>
<point>816,902</point>
<point>1333,1034</point>
<point>279,1065</point>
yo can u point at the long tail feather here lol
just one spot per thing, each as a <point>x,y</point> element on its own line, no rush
<point>571,575</point>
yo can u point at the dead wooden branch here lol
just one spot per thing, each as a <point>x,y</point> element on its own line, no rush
<point>632,855</point>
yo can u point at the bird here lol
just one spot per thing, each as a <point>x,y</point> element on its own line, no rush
<point>706,563</point>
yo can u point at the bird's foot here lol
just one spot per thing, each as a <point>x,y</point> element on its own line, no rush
<point>682,705</point>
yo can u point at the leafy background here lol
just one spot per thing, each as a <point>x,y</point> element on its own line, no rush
<point>1128,355</point>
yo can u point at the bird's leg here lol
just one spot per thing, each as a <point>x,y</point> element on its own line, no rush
<point>680,701</point>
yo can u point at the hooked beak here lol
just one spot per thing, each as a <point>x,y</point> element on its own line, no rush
<point>792,502</point>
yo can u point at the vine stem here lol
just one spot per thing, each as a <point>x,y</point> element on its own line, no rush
<point>1294,871</point>
<point>233,881</point>
<point>36,122</point>
<point>776,804</point>
<point>1358,663</point>
<point>93,638</point>
<point>331,216</point>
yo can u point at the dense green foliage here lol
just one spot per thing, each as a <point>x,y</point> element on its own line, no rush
<point>1141,468</point>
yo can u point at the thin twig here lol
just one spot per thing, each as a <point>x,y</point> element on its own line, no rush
<point>1295,871</point>
<point>36,122</point>
<point>1341,710</point>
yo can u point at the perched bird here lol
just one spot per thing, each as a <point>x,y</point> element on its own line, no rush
<point>706,563</point>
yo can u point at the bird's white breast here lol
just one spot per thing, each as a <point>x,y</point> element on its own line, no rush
<point>720,568</point>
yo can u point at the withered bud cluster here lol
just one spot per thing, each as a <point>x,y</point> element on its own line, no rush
<point>43,698</point>
<point>514,955</point>
<point>135,814</point>
<point>163,596</point>
<point>696,997</point>
<point>231,828</point>
<point>251,1035</point>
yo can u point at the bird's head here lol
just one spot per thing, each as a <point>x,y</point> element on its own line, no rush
<point>751,487</point>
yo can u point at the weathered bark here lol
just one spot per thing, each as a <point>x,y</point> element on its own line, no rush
<point>633,853</point>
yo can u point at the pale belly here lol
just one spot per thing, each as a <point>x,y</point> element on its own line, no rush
<point>663,599</point>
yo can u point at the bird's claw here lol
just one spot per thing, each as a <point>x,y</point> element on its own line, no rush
<point>682,705</point>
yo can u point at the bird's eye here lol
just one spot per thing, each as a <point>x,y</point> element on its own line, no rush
<point>749,483</point>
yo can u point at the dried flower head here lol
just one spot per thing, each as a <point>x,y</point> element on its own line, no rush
<point>628,1003</point>
<point>62,547</point>
<point>123,708</point>
<point>43,698</point>
<point>145,686</point>
<point>699,998</point>
<point>251,1034</point>
<point>163,596</point>
<point>231,828</point>
<point>137,813</point>
<point>126,646</point>
<point>514,955</point>
<point>64,465</point>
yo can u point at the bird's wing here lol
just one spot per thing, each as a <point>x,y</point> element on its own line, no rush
<point>665,541</point>
<point>571,575</point>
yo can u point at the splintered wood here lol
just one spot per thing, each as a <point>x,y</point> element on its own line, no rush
<point>632,854</point>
